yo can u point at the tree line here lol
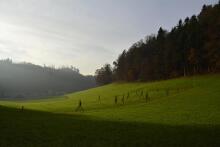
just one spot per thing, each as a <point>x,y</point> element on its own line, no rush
<point>26,80</point>
<point>190,47</point>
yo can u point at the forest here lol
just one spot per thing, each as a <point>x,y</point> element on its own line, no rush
<point>26,80</point>
<point>191,47</point>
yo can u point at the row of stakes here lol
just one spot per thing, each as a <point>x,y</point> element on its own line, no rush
<point>140,95</point>
<point>138,92</point>
<point>80,108</point>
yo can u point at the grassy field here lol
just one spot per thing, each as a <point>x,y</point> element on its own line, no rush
<point>178,112</point>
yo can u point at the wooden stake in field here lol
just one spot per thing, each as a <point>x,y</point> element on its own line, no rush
<point>146,96</point>
<point>99,99</point>
<point>128,95</point>
<point>116,99</point>
<point>22,108</point>
<point>79,108</point>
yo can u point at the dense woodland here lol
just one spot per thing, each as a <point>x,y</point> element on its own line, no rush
<point>26,80</point>
<point>191,47</point>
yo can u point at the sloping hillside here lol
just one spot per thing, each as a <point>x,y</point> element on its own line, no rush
<point>178,112</point>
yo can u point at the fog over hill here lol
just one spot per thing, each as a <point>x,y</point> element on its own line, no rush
<point>26,80</point>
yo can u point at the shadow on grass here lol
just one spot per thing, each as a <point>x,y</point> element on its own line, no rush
<point>33,128</point>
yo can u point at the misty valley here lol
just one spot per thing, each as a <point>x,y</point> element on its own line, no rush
<point>26,80</point>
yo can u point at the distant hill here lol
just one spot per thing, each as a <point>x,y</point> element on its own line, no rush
<point>26,80</point>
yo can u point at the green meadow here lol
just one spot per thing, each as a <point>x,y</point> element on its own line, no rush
<point>177,112</point>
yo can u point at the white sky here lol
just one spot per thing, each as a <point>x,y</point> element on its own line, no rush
<point>83,33</point>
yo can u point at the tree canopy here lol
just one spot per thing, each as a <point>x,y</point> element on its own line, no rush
<point>190,47</point>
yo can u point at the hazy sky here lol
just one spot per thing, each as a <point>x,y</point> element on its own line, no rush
<point>83,33</point>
